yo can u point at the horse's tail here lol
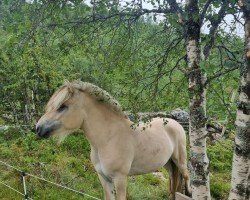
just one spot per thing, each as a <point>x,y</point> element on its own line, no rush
<point>175,179</point>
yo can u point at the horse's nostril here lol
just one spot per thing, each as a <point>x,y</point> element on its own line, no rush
<point>38,130</point>
<point>43,131</point>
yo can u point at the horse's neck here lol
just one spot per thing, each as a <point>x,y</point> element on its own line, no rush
<point>99,122</point>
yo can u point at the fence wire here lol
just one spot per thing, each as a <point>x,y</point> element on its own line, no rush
<point>39,178</point>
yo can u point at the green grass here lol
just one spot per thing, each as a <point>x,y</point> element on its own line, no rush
<point>67,164</point>
<point>220,155</point>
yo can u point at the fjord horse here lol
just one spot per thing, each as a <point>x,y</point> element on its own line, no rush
<point>118,149</point>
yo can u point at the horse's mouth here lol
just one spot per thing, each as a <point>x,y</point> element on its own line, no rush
<point>46,130</point>
<point>45,135</point>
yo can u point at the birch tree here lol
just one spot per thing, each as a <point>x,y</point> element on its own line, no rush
<point>197,102</point>
<point>241,160</point>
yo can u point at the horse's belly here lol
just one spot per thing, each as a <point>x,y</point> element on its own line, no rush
<point>153,149</point>
<point>150,159</point>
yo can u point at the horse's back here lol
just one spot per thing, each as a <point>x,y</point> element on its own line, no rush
<point>164,126</point>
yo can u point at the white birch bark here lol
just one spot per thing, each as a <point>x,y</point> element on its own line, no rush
<point>197,131</point>
<point>240,183</point>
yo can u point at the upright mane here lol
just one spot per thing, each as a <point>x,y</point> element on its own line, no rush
<point>58,98</point>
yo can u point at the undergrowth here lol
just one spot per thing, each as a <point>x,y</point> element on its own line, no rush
<point>69,164</point>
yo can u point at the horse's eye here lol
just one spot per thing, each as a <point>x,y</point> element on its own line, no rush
<point>62,108</point>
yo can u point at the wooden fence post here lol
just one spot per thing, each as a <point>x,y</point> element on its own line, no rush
<point>179,196</point>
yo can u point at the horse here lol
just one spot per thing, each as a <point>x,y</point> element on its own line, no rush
<point>118,148</point>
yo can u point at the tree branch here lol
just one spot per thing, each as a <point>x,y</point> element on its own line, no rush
<point>204,11</point>
<point>218,74</point>
<point>175,8</point>
<point>215,24</point>
<point>231,53</point>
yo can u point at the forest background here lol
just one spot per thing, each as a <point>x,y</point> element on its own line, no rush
<point>139,58</point>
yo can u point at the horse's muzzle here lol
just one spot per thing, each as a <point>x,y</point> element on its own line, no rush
<point>44,130</point>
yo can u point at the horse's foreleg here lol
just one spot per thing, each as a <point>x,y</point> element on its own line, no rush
<point>120,183</point>
<point>108,188</point>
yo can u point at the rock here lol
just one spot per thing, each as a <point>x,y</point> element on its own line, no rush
<point>180,115</point>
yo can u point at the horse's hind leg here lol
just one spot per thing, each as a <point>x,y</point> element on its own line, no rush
<point>169,168</point>
<point>175,181</point>
<point>179,157</point>
<point>184,171</point>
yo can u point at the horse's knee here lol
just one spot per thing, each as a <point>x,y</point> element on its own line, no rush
<point>185,175</point>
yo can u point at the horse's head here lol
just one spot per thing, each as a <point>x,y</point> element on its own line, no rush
<point>63,113</point>
<point>70,105</point>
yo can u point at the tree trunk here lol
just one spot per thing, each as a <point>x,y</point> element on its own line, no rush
<point>240,184</point>
<point>197,127</point>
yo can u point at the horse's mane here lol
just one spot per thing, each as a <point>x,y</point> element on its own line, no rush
<point>58,98</point>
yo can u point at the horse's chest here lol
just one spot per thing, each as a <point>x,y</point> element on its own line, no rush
<point>98,165</point>
<point>96,161</point>
<point>98,168</point>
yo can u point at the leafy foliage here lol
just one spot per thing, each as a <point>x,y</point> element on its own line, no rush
<point>141,63</point>
<point>139,60</point>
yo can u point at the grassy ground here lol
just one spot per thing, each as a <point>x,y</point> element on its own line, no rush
<point>69,164</point>
<point>220,155</point>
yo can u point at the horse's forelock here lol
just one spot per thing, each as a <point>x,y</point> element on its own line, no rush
<point>59,97</point>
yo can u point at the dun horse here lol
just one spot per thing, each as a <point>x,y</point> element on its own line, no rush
<point>118,149</point>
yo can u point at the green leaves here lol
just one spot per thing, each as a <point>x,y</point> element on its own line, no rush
<point>136,60</point>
